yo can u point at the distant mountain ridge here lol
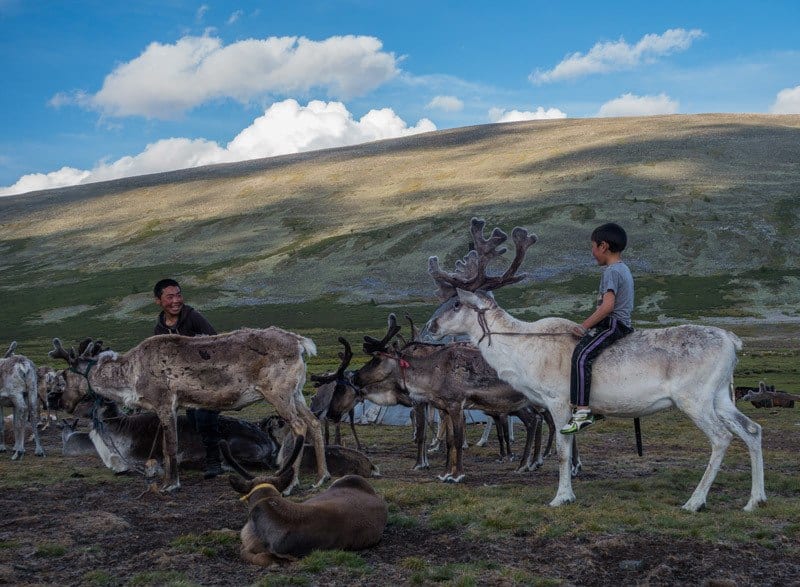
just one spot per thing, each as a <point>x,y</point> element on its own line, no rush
<point>700,196</point>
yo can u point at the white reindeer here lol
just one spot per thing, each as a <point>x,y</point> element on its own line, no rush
<point>18,390</point>
<point>689,367</point>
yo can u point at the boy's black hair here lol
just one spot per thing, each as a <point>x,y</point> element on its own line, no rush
<point>163,284</point>
<point>613,234</point>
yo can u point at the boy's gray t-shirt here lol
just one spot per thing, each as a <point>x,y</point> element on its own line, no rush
<point>618,278</point>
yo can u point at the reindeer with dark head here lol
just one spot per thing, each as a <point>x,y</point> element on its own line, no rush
<point>451,377</point>
<point>336,396</point>
<point>688,367</point>
<point>221,372</point>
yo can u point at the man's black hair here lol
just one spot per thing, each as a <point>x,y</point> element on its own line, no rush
<point>163,284</point>
<point>613,234</point>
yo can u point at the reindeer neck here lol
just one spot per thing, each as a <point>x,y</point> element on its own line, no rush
<point>111,377</point>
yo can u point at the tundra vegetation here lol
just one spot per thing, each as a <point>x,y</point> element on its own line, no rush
<point>328,244</point>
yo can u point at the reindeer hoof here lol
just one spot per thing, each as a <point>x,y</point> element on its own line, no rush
<point>17,455</point>
<point>171,488</point>
<point>39,453</point>
<point>421,467</point>
<point>559,501</point>
<point>324,479</point>
<point>458,479</point>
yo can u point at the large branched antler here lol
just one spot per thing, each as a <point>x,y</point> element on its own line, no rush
<point>344,357</point>
<point>373,345</point>
<point>470,273</point>
<point>59,352</point>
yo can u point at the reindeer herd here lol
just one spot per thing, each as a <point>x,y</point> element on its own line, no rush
<point>507,368</point>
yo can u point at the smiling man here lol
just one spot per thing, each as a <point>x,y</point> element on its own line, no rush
<point>176,317</point>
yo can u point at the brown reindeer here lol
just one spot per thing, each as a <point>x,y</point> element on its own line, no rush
<point>336,396</point>
<point>221,372</point>
<point>451,377</point>
<point>349,515</point>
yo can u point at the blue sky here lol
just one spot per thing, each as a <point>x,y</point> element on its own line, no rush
<point>100,89</point>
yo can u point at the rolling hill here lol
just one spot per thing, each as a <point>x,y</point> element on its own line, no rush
<point>333,238</point>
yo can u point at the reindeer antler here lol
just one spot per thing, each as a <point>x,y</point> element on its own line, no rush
<point>59,352</point>
<point>11,348</point>
<point>414,329</point>
<point>373,345</point>
<point>470,273</point>
<point>344,357</point>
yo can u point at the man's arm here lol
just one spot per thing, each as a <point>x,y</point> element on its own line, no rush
<point>200,325</point>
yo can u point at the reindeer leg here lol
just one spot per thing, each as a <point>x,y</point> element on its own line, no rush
<point>458,426</point>
<point>551,427</point>
<point>532,430</point>
<point>436,443</point>
<point>2,430</point>
<point>33,412</point>
<point>418,412</point>
<point>486,431</point>
<point>169,425</point>
<point>312,425</point>
<point>561,415</point>
<point>499,427</point>
<point>352,414</point>
<point>20,419</point>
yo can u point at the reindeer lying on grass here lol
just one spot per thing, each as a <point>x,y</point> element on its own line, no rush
<point>221,372</point>
<point>688,367</point>
<point>128,443</point>
<point>349,515</point>
<point>18,390</point>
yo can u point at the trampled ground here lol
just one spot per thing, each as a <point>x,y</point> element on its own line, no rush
<point>72,522</point>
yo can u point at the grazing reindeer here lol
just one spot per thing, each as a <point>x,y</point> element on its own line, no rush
<point>688,367</point>
<point>220,372</point>
<point>336,396</point>
<point>18,387</point>
<point>451,378</point>
<point>349,515</point>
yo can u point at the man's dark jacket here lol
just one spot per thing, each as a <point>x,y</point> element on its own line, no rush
<point>190,323</point>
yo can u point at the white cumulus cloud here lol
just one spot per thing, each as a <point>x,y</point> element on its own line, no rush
<point>500,115</point>
<point>633,105</point>
<point>618,55</point>
<point>167,80</point>
<point>787,101</point>
<point>285,127</point>
<point>446,104</point>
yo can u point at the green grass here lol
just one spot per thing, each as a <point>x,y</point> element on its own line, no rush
<point>210,544</point>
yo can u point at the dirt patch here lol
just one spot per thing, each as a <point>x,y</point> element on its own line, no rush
<point>113,531</point>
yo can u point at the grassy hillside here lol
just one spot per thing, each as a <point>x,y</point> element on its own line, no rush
<point>335,239</point>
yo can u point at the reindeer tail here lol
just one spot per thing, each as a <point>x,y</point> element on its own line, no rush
<point>308,346</point>
<point>737,342</point>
